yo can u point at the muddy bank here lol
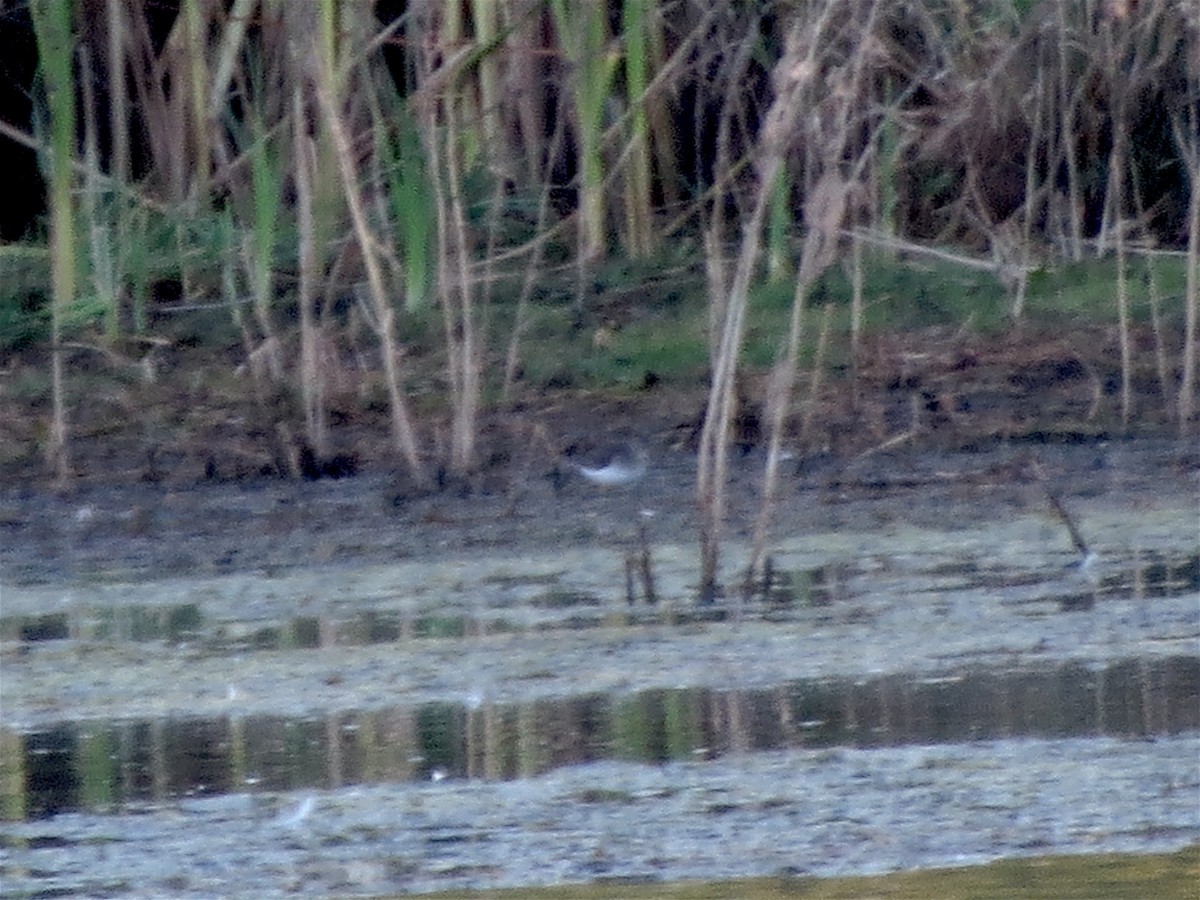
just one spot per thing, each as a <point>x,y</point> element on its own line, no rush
<point>952,566</point>
<point>133,531</point>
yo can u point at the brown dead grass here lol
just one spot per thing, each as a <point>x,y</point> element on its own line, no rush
<point>941,387</point>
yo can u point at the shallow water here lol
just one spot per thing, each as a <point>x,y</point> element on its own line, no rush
<point>270,689</point>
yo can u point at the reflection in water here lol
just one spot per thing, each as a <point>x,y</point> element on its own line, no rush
<point>783,595</point>
<point>124,765</point>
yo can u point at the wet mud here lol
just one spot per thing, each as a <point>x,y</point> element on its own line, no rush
<point>354,605</point>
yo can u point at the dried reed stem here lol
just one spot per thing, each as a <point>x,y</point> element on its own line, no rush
<point>818,371</point>
<point>1187,387</point>
<point>824,213</point>
<point>1118,162</point>
<point>856,316</point>
<point>52,26</point>
<point>312,386</point>
<point>383,314</point>
<point>712,464</point>
<point>533,265</point>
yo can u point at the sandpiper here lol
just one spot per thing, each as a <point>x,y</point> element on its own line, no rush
<point>622,464</point>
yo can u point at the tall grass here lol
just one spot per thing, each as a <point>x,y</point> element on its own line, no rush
<point>583,35</point>
<point>382,313</point>
<point>639,24</point>
<point>412,204</point>
<point>732,299</point>
<point>828,146</point>
<point>262,231</point>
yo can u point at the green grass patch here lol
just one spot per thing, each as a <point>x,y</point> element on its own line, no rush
<point>638,318</point>
<point>1114,876</point>
<point>668,335</point>
<point>1088,289</point>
